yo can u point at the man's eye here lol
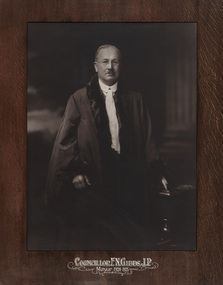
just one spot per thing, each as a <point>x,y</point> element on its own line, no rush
<point>105,61</point>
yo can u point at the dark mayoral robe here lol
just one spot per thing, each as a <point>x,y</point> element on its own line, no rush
<point>119,182</point>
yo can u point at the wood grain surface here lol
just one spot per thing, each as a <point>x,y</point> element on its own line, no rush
<point>19,266</point>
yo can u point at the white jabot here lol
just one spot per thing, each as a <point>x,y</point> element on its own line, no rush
<point>111,112</point>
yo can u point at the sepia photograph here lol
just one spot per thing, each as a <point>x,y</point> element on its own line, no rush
<point>111,136</point>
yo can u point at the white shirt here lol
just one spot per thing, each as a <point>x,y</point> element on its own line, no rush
<point>111,112</point>
<point>105,87</point>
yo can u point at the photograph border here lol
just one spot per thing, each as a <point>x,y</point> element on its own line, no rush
<point>17,265</point>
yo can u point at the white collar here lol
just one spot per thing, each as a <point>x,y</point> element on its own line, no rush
<point>105,87</point>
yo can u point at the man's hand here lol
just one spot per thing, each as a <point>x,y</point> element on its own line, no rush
<point>81,181</point>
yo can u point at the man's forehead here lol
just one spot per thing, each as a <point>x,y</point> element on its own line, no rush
<point>109,51</point>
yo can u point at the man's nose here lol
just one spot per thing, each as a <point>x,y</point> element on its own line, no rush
<point>110,65</point>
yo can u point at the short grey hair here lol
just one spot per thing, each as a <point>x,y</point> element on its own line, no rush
<point>107,46</point>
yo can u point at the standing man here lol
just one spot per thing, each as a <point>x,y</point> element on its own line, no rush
<point>100,167</point>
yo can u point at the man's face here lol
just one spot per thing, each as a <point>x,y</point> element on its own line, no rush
<point>108,65</point>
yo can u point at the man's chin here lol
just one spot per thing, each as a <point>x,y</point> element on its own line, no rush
<point>110,80</point>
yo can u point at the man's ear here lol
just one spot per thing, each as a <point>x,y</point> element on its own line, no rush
<point>95,66</point>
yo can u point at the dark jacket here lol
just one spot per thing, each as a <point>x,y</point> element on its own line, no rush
<point>82,145</point>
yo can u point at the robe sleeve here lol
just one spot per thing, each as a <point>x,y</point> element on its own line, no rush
<point>66,161</point>
<point>151,152</point>
<point>156,167</point>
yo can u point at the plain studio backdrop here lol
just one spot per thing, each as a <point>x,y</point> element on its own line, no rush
<point>159,61</point>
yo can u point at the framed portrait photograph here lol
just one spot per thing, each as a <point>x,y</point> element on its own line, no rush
<point>111,136</point>
<point>113,173</point>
